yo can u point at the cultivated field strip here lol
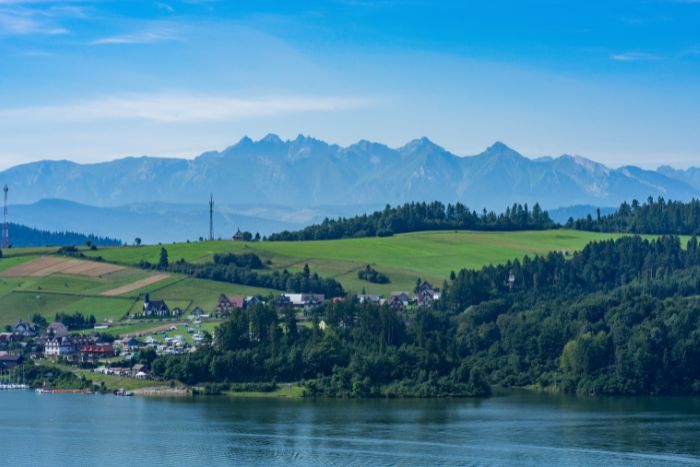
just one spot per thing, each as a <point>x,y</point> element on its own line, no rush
<point>46,266</point>
<point>125,289</point>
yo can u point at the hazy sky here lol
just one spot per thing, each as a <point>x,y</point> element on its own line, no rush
<point>615,81</point>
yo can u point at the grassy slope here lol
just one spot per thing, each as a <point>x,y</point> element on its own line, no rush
<point>430,255</point>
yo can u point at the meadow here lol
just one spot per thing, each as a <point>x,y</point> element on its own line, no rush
<point>429,255</point>
<point>404,258</point>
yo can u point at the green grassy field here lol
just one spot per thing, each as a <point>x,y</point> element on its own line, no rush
<point>286,391</point>
<point>429,255</point>
<point>21,297</point>
<point>114,382</point>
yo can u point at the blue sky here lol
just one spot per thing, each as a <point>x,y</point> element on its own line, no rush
<point>615,81</point>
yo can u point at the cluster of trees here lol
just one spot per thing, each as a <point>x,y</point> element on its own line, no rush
<point>53,377</point>
<point>414,217</point>
<point>653,217</point>
<point>368,351</point>
<point>241,269</point>
<point>244,260</point>
<point>76,321</point>
<point>22,237</point>
<point>370,274</point>
<point>248,236</point>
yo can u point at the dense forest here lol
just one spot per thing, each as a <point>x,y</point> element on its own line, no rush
<point>653,217</point>
<point>414,217</point>
<point>248,269</point>
<point>619,317</point>
<point>22,237</point>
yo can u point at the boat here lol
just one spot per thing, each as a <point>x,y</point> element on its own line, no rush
<point>123,393</point>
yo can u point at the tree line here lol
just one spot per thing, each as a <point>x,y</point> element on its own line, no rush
<point>22,237</point>
<point>414,217</point>
<point>247,269</point>
<point>652,217</point>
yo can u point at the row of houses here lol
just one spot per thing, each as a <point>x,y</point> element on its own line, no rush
<point>138,371</point>
<point>77,348</point>
<point>227,303</point>
<point>424,296</point>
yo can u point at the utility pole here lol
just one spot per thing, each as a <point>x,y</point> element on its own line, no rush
<point>5,224</point>
<point>211,217</point>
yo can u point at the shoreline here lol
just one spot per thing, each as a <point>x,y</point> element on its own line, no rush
<point>164,391</point>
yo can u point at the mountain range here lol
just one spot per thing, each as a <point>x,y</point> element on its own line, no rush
<point>297,181</point>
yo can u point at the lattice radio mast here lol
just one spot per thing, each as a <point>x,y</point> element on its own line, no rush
<point>211,217</point>
<point>5,223</point>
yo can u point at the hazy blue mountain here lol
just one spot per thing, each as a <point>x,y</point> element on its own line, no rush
<point>169,222</point>
<point>562,215</point>
<point>691,176</point>
<point>306,173</point>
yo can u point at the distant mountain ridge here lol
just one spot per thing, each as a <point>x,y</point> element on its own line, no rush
<point>306,172</point>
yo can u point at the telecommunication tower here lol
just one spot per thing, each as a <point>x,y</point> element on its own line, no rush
<point>5,223</point>
<point>211,217</point>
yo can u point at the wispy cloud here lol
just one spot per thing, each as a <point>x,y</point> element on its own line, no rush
<point>165,6</point>
<point>178,108</point>
<point>18,24</point>
<point>634,56</point>
<point>149,36</point>
<point>25,17</point>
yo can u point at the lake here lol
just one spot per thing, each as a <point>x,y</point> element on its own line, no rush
<point>512,429</point>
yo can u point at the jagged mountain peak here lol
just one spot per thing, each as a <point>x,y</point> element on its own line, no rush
<point>271,138</point>
<point>307,172</point>
<point>420,145</point>
<point>499,150</point>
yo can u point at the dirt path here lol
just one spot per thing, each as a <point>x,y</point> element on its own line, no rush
<point>135,285</point>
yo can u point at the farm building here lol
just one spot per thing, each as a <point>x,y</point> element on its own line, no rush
<point>228,303</point>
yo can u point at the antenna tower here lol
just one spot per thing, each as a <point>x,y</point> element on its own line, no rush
<point>5,224</point>
<point>211,217</point>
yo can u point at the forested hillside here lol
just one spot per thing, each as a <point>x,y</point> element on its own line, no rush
<point>22,236</point>
<point>653,217</point>
<point>619,317</point>
<point>415,217</point>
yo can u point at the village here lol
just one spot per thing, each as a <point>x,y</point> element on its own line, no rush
<point>161,330</point>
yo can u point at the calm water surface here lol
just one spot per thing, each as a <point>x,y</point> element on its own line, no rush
<point>515,429</point>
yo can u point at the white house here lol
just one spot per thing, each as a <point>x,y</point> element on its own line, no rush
<point>304,299</point>
<point>59,347</point>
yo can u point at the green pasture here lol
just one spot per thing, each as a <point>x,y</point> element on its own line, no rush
<point>204,293</point>
<point>429,255</point>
